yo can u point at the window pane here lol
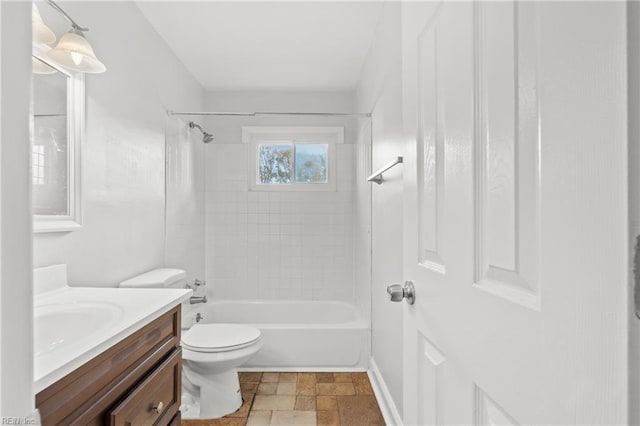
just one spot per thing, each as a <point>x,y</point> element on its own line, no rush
<point>276,163</point>
<point>311,163</point>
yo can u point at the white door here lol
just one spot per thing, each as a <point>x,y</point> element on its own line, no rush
<point>515,212</point>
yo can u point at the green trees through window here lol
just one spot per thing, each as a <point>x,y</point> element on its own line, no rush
<point>276,163</point>
<point>287,163</point>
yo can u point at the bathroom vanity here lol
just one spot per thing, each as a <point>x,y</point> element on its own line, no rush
<point>136,381</point>
<point>107,356</point>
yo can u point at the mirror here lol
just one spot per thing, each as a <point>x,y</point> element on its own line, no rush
<point>58,123</point>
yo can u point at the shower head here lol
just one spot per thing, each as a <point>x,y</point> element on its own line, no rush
<point>206,137</point>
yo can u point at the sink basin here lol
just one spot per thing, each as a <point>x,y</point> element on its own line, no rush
<point>59,325</point>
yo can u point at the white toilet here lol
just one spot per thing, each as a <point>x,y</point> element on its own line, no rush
<point>211,354</point>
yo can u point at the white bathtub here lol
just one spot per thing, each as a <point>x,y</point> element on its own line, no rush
<point>297,335</point>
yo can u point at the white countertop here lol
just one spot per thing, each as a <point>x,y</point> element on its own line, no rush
<point>124,310</point>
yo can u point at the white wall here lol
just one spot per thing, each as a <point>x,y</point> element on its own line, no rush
<point>185,200</point>
<point>362,219</point>
<point>633,46</point>
<point>279,101</point>
<point>380,92</point>
<point>16,359</point>
<point>123,174</point>
<point>1,139</point>
<point>277,245</point>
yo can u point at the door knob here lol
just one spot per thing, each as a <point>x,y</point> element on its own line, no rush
<point>397,292</point>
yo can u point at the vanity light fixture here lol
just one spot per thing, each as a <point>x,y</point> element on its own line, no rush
<point>73,50</point>
<point>42,36</point>
<point>41,33</point>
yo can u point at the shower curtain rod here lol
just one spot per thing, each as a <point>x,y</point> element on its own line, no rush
<point>253,114</point>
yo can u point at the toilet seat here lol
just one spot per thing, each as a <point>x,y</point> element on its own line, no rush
<point>212,338</point>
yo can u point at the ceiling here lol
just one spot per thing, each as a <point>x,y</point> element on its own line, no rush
<point>268,45</point>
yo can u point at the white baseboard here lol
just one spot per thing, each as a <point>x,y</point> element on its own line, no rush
<point>387,406</point>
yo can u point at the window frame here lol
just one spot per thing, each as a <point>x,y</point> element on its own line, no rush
<point>75,138</point>
<point>254,136</point>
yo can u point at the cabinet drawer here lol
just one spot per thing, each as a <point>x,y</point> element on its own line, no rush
<point>156,400</point>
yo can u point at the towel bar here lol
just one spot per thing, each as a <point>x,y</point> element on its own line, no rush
<point>377,176</point>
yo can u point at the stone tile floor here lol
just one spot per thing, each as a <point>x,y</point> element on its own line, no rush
<point>302,399</point>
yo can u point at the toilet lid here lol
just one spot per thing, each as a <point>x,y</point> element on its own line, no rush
<point>219,337</point>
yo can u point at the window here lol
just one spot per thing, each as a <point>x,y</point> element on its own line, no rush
<point>306,163</point>
<point>292,158</point>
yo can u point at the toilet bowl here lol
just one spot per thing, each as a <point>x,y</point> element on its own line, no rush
<point>211,354</point>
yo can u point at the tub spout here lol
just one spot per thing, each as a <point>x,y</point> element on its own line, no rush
<point>197,299</point>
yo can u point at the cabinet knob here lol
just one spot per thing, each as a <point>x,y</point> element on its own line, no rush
<point>157,408</point>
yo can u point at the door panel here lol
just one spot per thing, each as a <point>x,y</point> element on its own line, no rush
<point>430,154</point>
<point>507,151</point>
<point>442,121</point>
<point>430,368</point>
<point>515,126</point>
<point>487,412</point>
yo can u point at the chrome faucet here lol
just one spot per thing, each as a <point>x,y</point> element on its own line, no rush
<point>196,285</point>
<point>197,299</point>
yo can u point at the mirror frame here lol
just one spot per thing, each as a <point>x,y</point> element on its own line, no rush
<point>75,140</point>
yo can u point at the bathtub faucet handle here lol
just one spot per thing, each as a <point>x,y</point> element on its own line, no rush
<point>198,283</point>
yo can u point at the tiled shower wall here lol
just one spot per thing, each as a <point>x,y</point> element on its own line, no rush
<point>278,245</point>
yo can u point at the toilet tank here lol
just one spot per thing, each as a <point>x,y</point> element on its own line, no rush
<point>157,278</point>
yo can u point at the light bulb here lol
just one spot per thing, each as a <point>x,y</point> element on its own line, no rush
<point>76,57</point>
